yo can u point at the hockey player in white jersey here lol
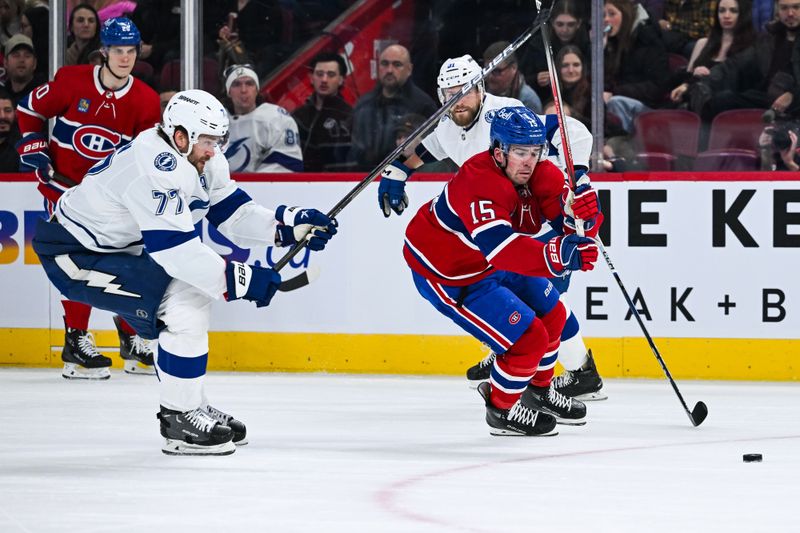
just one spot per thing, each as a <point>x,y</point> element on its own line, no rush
<point>464,132</point>
<point>263,137</point>
<point>125,240</point>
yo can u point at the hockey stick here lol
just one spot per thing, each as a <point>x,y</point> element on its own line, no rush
<point>536,26</point>
<point>700,411</point>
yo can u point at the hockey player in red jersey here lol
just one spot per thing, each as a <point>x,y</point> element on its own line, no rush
<point>473,257</point>
<point>97,109</point>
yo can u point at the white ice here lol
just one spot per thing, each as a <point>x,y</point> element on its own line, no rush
<point>333,453</point>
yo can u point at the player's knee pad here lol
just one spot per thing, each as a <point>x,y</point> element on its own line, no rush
<point>186,310</point>
<point>524,355</point>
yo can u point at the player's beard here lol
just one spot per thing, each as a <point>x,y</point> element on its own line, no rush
<point>463,116</point>
<point>198,163</point>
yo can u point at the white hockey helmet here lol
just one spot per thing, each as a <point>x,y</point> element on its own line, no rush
<point>196,111</point>
<point>456,72</point>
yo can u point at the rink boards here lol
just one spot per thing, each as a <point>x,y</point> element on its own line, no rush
<point>708,258</point>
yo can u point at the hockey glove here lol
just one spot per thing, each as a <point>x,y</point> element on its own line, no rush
<point>252,283</point>
<point>582,203</point>
<point>299,224</point>
<point>33,157</point>
<point>392,188</point>
<point>563,254</point>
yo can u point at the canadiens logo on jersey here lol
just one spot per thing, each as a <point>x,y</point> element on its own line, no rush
<point>83,105</point>
<point>95,142</point>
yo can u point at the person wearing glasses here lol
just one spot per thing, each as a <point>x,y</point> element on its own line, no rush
<point>263,136</point>
<point>507,80</point>
<point>378,113</point>
<point>97,109</point>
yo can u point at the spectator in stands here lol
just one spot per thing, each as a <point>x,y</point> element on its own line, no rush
<point>686,21</point>
<point>576,89</point>
<point>507,80</point>
<point>20,63</point>
<point>10,18</point>
<point>762,76</point>
<point>732,32</point>
<point>263,137</point>
<point>635,62</point>
<point>567,29</point>
<point>84,27</point>
<point>257,26</point>
<point>36,25</point>
<point>378,112</point>
<point>9,134</point>
<point>325,120</point>
<point>778,142</point>
<point>164,96</point>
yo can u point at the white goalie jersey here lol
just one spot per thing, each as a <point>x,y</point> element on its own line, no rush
<point>459,144</point>
<point>265,140</point>
<point>145,196</point>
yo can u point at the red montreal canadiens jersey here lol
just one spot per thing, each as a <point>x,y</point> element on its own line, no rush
<point>91,122</point>
<point>481,221</point>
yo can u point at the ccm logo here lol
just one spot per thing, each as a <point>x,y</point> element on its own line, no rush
<point>514,318</point>
<point>37,145</point>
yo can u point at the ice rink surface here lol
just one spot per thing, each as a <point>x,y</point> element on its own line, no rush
<point>335,453</point>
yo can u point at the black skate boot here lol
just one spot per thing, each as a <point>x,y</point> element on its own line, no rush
<point>481,372</point>
<point>81,358</point>
<point>136,353</point>
<point>238,427</point>
<point>584,384</point>
<point>568,411</point>
<point>194,433</point>
<point>519,421</point>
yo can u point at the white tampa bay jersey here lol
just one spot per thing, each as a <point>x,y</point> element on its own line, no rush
<point>459,144</point>
<point>265,140</point>
<point>146,196</point>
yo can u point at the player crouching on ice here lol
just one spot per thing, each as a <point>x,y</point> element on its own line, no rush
<point>473,257</point>
<point>124,240</point>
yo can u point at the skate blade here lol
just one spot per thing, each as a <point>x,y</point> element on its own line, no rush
<point>75,371</point>
<point>179,447</point>
<point>498,432</point>
<point>474,383</point>
<point>132,366</point>
<point>592,396</point>
<point>571,421</point>
<point>242,442</point>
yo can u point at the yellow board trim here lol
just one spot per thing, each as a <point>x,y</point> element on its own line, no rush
<point>734,359</point>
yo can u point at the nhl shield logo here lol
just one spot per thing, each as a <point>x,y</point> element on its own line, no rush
<point>83,105</point>
<point>165,162</point>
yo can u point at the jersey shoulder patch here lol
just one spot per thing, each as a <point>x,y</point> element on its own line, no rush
<point>166,162</point>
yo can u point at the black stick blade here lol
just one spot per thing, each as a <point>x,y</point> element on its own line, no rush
<point>699,413</point>
<point>300,280</point>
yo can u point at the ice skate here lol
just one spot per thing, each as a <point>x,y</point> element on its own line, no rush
<point>238,427</point>
<point>519,421</point>
<point>136,353</point>
<point>81,358</point>
<point>584,384</point>
<point>194,433</point>
<point>568,411</point>
<point>481,371</point>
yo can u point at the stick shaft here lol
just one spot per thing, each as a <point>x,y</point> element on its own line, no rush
<point>536,27</point>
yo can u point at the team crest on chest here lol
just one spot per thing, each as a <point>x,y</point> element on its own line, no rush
<point>83,105</point>
<point>95,142</point>
<point>165,162</point>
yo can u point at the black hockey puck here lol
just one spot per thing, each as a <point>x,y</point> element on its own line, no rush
<point>752,458</point>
